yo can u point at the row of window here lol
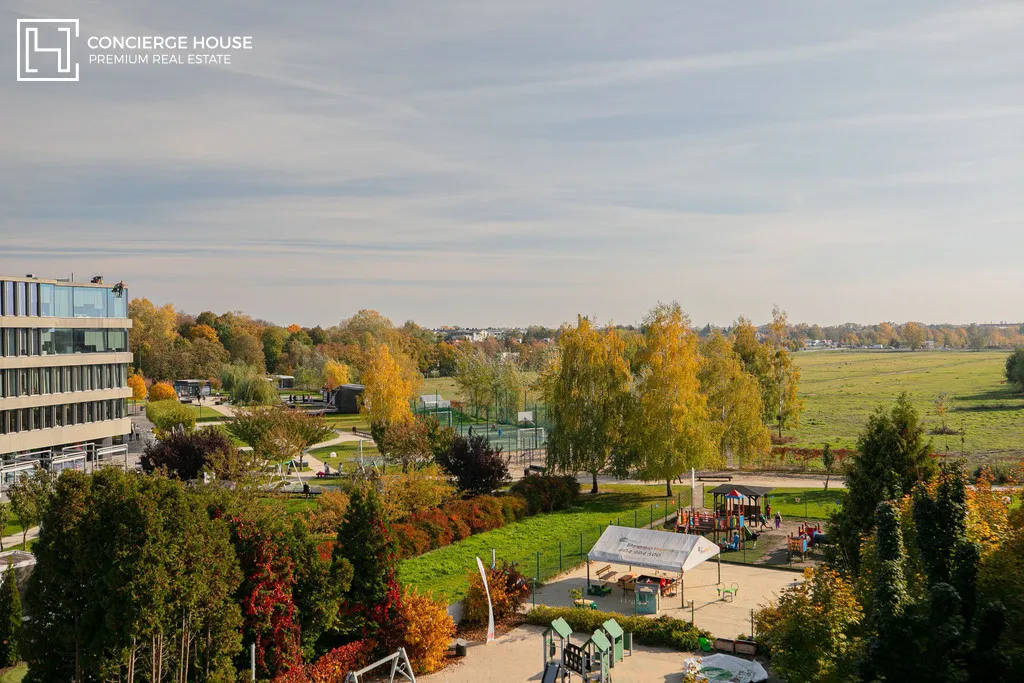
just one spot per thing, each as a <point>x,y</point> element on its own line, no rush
<point>24,341</point>
<point>47,417</point>
<point>61,301</point>
<point>58,380</point>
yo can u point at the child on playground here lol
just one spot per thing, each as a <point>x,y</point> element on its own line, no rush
<point>778,520</point>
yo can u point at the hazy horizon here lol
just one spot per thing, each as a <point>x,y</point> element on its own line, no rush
<point>506,164</point>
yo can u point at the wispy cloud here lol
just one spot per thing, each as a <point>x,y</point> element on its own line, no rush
<point>506,163</point>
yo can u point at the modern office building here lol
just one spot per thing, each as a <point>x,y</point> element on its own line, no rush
<point>63,368</point>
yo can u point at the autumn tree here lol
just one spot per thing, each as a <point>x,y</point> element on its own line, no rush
<point>783,377</point>
<point>335,373</point>
<point>276,433</point>
<point>913,335</point>
<point>586,391</point>
<point>203,332</point>
<point>812,631</point>
<point>386,395</point>
<point>162,391</point>
<point>671,431</point>
<point>976,337</point>
<point>245,348</point>
<point>138,386</point>
<point>153,334</point>
<point>187,455</point>
<point>734,401</point>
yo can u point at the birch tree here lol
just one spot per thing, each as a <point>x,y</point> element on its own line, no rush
<point>587,393</point>
<point>671,431</point>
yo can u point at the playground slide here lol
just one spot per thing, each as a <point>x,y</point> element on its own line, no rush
<point>551,672</point>
<point>748,535</point>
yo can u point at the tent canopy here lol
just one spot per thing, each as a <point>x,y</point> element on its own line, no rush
<point>650,549</point>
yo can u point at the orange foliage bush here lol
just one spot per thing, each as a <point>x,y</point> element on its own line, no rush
<point>162,391</point>
<point>336,664</point>
<point>428,631</point>
<point>508,588</point>
<point>330,509</point>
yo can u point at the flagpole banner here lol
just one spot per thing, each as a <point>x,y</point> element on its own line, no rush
<point>490,608</point>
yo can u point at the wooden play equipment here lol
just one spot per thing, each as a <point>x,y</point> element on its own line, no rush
<point>806,537</point>
<point>735,516</point>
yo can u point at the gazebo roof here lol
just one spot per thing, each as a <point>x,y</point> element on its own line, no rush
<point>748,491</point>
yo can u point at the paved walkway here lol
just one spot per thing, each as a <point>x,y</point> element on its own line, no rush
<point>517,656</point>
<point>15,539</point>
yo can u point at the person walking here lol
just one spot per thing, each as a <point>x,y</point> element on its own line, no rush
<point>778,521</point>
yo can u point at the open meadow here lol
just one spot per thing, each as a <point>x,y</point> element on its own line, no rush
<point>842,388</point>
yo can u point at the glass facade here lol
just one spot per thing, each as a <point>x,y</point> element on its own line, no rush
<point>22,341</point>
<point>63,415</point>
<point>61,301</point>
<point>60,380</point>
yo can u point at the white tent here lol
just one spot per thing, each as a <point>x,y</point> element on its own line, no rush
<point>660,550</point>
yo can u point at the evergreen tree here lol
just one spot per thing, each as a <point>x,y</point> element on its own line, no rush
<point>372,607</point>
<point>892,457</point>
<point>10,620</point>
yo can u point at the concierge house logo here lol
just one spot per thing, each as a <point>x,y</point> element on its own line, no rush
<point>45,49</point>
<point>53,50</point>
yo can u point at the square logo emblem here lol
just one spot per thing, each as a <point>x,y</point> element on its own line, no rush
<point>45,49</point>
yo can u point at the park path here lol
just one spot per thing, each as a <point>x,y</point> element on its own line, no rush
<point>15,539</point>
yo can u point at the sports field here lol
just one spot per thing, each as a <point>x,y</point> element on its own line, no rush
<point>841,388</point>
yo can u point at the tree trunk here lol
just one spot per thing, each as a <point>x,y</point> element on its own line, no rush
<point>668,488</point>
<point>827,475</point>
<point>593,490</point>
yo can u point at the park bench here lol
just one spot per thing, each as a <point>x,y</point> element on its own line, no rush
<point>534,469</point>
<point>714,477</point>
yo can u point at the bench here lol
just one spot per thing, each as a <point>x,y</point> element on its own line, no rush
<point>604,569</point>
<point>714,477</point>
<point>534,469</point>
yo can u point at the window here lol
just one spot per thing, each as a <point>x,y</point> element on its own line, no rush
<point>31,298</point>
<point>19,298</point>
<point>46,299</point>
<point>7,298</point>
<point>63,302</point>
<point>117,340</point>
<point>90,302</point>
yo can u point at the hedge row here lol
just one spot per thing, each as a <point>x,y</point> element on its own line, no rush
<point>661,632</point>
<point>456,520</point>
<point>805,455</point>
<point>548,493</point>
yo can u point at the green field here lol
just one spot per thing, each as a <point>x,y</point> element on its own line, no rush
<point>841,388</point>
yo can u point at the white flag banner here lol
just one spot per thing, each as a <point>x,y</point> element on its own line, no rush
<point>490,609</point>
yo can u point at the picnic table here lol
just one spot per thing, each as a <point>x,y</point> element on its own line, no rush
<point>583,603</point>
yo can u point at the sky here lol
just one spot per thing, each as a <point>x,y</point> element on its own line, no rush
<point>504,163</point>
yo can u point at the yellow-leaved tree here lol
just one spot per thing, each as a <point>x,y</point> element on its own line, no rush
<point>138,385</point>
<point>162,391</point>
<point>336,373</point>
<point>734,401</point>
<point>670,430</point>
<point>586,390</point>
<point>386,395</point>
<point>428,630</point>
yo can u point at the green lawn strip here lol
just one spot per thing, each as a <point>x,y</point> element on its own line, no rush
<point>12,529</point>
<point>345,423</point>
<point>813,503</point>
<point>443,571</point>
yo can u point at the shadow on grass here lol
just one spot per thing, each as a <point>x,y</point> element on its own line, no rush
<point>990,407</point>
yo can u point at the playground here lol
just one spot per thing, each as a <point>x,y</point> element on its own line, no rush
<point>724,613</point>
<point>517,656</point>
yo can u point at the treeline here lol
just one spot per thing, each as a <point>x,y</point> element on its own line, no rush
<point>143,578</point>
<point>659,401</point>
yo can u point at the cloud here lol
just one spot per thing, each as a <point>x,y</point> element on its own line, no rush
<point>509,163</point>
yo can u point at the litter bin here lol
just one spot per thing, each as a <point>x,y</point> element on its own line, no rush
<point>460,647</point>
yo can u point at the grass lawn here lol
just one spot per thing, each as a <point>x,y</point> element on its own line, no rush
<point>841,388</point>
<point>346,422</point>
<point>345,451</point>
<point>12,529</point>
<point>813,503</point>
<point>443,571</point>
<point>449,390</point>
<point>14,674</point>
